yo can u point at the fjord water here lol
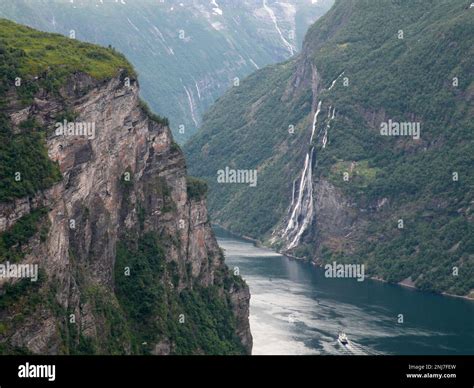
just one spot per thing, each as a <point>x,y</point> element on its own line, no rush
<point>295,309</point>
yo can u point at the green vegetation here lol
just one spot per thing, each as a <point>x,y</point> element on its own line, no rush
<point>25,290</point>
<point>25,301</point>
<point>197,188</point>
<point>59,56</point>
<point>175,147</point>
<point>40,60</point>
<point>24,163</point>
<point>197,320</point>
<point>244,130</point>
<point>145,308</point>
<point>360,174</point>
<point>13,239</point>
<point>18,301</point>
<point>411,79</point>
<point>115,332</point>
<point>159,188</point>
<point>153,116</point>
<point>25,166</point>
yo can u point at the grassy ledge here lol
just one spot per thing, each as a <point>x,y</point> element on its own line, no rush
<point>55,53</point>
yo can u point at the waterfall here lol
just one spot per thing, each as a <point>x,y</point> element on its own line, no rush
<point>328,126</point>
<point>315,121</point>
<point>293,221</point>
<point>293,193</point>
<point>301,211</point>
<point>273,18</point>
<point>334,82</point>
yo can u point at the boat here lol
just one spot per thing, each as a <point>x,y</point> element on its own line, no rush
<point>343,338</point>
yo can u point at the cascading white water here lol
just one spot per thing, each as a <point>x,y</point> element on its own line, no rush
<point>301,209</point>
<point>315,121</point>
<point>302,212</point>
<point>328,126</point>
<point>305,209</point>
<point>296,212</point>
<point>288,45</point>
<point>293,193</point>
<point>334,82</point>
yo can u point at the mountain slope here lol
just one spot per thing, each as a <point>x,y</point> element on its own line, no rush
<point>331,185</point>
<point>187,52</point>
<point>95,196</point>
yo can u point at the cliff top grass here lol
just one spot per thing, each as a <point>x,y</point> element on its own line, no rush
<point>62,55</point>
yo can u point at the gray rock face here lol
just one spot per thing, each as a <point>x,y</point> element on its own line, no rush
<point>95,205</point>
<point>336,220</point>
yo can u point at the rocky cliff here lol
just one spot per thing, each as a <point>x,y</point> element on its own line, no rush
<point>127,259</point>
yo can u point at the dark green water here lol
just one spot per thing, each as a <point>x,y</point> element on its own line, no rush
<point>295,309</point>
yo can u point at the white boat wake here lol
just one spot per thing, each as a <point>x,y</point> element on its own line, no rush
<point>353,348</point>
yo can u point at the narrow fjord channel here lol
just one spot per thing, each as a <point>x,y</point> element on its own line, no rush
<point>294,309</point>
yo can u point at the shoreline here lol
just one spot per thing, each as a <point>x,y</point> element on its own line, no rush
<point>259,244</point>
<point>401,284</point>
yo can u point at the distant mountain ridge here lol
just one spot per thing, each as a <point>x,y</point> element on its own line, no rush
<point>186,52</point>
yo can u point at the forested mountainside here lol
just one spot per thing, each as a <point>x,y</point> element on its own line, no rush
<point>187,52</point>
<point>94,194</point>
<point>363,144</point>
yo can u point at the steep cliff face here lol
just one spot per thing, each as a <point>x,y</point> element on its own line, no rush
<point>127,259</point>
